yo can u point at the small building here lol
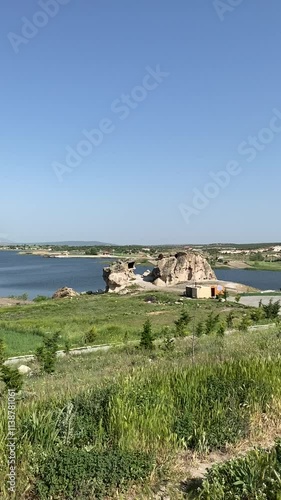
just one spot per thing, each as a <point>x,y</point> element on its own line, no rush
<point>204,291</point>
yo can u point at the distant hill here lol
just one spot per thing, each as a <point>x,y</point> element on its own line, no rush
<point>76,243</point>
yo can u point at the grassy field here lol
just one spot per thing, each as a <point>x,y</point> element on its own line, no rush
<point>115,318</point>
<point>162,403</point>
<point>127,423</point>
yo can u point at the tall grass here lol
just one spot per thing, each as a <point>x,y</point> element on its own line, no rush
<point>163,409</point>
<point>200,408</point>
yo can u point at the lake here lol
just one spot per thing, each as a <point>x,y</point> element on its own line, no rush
<point>264,280</point>
<point>37,275</point>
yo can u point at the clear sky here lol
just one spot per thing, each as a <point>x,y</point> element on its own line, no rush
<point>172,90</point>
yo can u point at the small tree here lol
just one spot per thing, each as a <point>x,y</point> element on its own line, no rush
<point>147,339</point>
<point>257,314</point>
<point>237,298</point>
<point>225,294</point>
<point>199,331</point>
<point>220,339</point>
<point>181,324</point>
<point>211,322</point>
<point>11,378</point>
<point>244,324</point>
<point>272,309</point>
<point>229,319</point>
<point>221,331</point>
<point>46,354</point>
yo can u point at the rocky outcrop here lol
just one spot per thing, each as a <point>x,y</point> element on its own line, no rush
<point>119,275</point>
<point>65,292</point>
<point>182,267</point>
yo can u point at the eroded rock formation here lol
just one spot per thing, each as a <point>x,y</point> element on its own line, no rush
<point>184,266</point>
<point>118,276</point>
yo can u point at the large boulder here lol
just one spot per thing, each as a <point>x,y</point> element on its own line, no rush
<point>182,267</point>
<point>65,292</point>
<point>119,275</point>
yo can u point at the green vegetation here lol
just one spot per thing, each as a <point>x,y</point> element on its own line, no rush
<point>46,354</point>
<point>146,341</point>
<point>113,422</point>
<point>76,473</point>
<point>9,376</point>
<point>23,327</point>
<point>255,476</point>
<point>271,310</point>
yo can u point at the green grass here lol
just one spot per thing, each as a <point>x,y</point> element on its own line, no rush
<point>255,476</point>
<point>161,401</point>
<point>114,317</point>
<point>265,266</point>
<point>200,395</point>
<point>17,344</point>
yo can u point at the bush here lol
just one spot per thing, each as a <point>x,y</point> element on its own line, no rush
<point>257,314</point>
<point>73,473</point>
<point>11,377</point>
<point>255,476</point>
<point>244,324</point>
<point>199,331</point>
<point>229,319</point>
<point>211,322</point>
<point>40,298</point>
<point>91,336</point>
<point>91,412</point>
<point>182,323</point>
<point>272,309</point>
<point>46,354</point>
<point>147,339</point>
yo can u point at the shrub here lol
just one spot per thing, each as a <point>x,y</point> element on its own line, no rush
<point>257,314</point>
<point>211,322</point>
<point>90,422</point>
<point>11,377</point>
<point>255,476</point>
<point>272,309</point>
<point>199,331</point>
<point>46,354</point>
<point>73,473</point>
<point>147,339</point>
<point>229,319</point>
<point>40,298</point>
<point>181,324</point>
<point>244,324</point>
<point>91,336</point>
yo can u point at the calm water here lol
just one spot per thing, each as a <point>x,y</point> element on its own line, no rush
<point>40,276</point>
<point>264,280</point>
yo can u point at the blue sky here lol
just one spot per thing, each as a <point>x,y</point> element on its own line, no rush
<point>138,184</point>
